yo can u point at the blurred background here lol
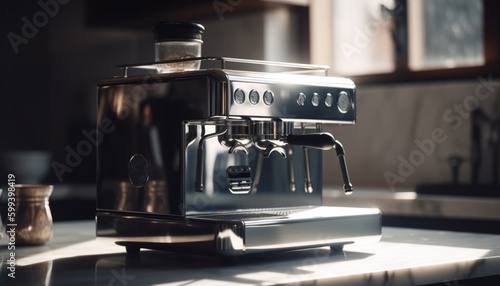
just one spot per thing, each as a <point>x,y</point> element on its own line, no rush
<point>427,75</point>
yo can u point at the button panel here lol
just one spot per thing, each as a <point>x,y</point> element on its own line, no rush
<point>293,102</point>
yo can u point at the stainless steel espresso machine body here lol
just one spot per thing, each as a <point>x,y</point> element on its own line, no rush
<point>224,162</point>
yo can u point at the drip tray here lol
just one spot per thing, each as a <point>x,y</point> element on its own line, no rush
<point>243,232</point>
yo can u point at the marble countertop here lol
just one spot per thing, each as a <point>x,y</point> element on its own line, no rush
<point>403,256</point>
<point>409,203</point>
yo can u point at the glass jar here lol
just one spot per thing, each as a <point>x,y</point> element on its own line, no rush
<point>176,41</point>
<point>33,216</point>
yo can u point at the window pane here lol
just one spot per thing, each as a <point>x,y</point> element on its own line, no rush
<point>445,33</point>
<point>362,37</point>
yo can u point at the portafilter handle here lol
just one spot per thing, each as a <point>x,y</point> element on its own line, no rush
<point>324,141</point>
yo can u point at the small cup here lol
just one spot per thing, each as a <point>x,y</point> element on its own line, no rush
<point>33,216</point>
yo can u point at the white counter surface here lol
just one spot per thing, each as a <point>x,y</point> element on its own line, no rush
<point>403,256</point>
<point>409,203</point>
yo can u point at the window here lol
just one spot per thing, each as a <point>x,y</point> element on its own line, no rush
<point>362,37</point>
<point>376,41</point>
<point>445,33</point>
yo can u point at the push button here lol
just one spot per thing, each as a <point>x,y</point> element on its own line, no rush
<point>239,96</point>
<point>268,97</point>
<point>329,100</point>
<point>254,96</point>
<point>315,99</point>
<point>344,102</point>
<point>301,99</point>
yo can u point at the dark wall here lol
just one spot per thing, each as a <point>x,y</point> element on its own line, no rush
<point>51,63</point>
<point>24,112</point>
<point>48,86</point>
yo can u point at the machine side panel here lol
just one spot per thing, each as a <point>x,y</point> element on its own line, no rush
<point>140,158</point>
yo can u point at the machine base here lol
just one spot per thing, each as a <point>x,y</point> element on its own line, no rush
<point>241,232</point>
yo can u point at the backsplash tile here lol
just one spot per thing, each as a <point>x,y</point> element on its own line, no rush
<point>405,133</point>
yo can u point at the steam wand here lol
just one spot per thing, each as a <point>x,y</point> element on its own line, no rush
<point>324,141</point>
<point>343,167</point>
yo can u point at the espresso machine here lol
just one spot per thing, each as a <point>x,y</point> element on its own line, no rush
<point>224,161</point>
